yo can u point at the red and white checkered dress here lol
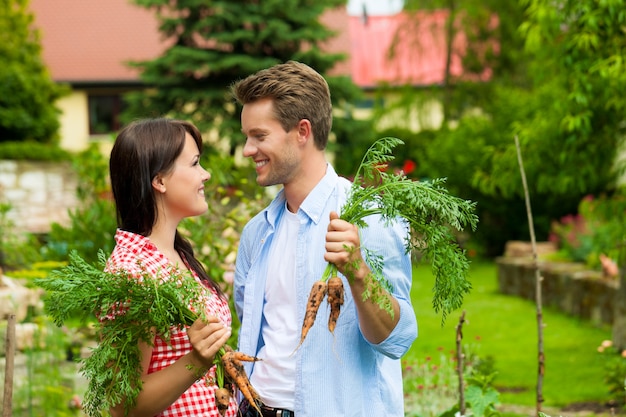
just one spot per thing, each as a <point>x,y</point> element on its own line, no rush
<point>199,399</point>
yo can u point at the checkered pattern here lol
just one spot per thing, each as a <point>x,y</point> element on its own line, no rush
<point>199,399</point>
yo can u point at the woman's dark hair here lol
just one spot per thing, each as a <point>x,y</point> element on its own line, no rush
<point>142,150</point>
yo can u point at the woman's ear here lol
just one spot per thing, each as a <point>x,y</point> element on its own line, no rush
<point>158,184</point>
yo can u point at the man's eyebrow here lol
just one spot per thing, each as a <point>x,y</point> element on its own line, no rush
<point>255,130</point>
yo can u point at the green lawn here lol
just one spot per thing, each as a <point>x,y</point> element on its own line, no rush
<point>505,328</point>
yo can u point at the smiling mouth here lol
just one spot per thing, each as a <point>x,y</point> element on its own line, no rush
<point>262,163</point>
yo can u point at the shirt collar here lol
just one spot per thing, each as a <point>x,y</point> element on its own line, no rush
<point>315,203</point>
<point>134,242</point>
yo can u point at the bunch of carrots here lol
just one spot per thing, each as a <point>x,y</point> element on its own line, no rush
<point>82,291</point>
<point>430,212</point>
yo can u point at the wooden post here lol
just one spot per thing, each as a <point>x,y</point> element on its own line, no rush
<point>8,369</point>
<point>460,363</point>
<point>541,358</point>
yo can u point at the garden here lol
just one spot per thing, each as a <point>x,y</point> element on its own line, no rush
<point>547,73</point>
<point>493,335</point>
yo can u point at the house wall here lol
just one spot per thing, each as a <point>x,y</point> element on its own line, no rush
<point>74,121</point>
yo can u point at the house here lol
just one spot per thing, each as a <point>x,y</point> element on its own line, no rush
<point>87,44</point>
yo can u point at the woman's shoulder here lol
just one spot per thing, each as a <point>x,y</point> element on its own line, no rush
<point>134,253</point>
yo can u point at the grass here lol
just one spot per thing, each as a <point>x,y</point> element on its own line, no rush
<point>505,328</point>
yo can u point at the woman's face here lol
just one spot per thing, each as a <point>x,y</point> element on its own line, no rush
<point>183,187</point>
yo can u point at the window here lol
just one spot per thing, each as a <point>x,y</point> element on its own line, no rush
<point>104,113</point>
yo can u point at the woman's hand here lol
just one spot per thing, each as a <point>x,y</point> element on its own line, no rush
<point>207,337</point>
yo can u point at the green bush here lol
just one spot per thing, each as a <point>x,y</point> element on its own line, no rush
<point>33,151</point>
<point>594,230</point>
<point>615,371</point>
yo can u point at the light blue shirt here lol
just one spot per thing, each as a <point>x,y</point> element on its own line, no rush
<point>344,374</point>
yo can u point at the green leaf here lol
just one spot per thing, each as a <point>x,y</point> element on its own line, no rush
<point>480,401</point>
<point>128,307</point>
<point>430,211</point>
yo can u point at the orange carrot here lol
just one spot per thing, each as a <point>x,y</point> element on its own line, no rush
<point>316,296</point>
<point>240,356</point>
<point>335,300</point>
<point>234,370</point>
<point>222,399</point>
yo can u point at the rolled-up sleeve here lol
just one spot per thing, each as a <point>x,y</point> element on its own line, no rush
<point>389,242</point>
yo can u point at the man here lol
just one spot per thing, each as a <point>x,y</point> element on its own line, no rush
<point>355,371</point>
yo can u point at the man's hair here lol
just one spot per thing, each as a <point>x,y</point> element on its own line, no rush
<point>297,92</point>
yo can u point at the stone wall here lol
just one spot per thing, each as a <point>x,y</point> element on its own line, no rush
<point>568,287</point>
<point>39,193</point>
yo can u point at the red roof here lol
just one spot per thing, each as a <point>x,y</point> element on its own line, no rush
<point>91,41</point>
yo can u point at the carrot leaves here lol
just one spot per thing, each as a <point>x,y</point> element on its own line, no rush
<point>129,309</point>
<point>431,214</point>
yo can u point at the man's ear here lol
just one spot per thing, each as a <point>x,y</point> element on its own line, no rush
<point>305,132</point>
<point>158,184</point>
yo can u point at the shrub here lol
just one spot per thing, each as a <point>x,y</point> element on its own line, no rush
<point>33,151</point>
<point>594,232</point>
<point>615,371</point>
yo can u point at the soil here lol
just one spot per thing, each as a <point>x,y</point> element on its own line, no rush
<point>581,409</point>
<point>610,408</point>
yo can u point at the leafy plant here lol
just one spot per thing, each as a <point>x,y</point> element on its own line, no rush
<point>433,385</point>
<point>430,385</point>
<point>131,308</point>
<point>592,232</point>
<point>615,371</point>
<point>430,212</point>
<point>121,301</point>
<point>16,251</point>
<point>32,151</point>
<point>47,385</point>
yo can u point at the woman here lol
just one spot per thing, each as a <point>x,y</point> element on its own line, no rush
<point>157,181</point>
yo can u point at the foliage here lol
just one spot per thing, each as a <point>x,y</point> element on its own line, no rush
<point>47,388</point>
<point>36,270</point>
<point>490,45</point>
<point>595,230</point>
<point>27,92</point>
<point>83,291</point>
<point>571,138</point>
<point>32,151</point>
<point>430,212</point>
<point>615,371</point>
<point>466,154</point>
<point>557,94</point>
<point>432,386</point>
<point>214,43</point>
<point>16,251</point>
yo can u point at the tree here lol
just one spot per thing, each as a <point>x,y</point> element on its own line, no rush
<point>481,33</point>
<point>556,82</point>
<point>214,43</point>
<point>27,92</point>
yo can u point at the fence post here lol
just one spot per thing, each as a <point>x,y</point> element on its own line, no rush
<point>8,369</point>
<point>619,317</point>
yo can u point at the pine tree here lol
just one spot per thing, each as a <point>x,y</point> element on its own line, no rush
<point>216,42</point>
<point>27,92</point>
